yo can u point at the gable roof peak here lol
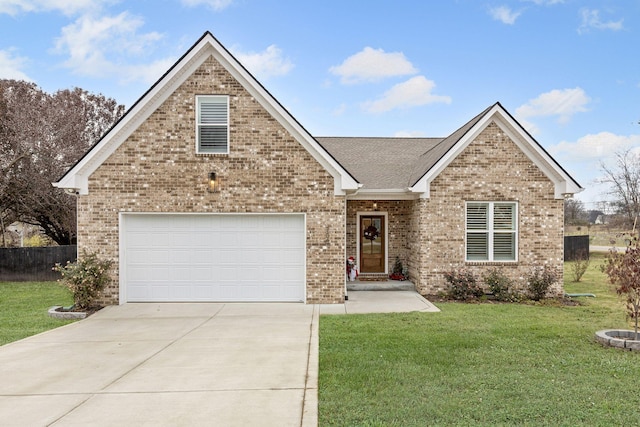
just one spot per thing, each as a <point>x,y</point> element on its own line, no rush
<point>435,160</point>
<point>76,178</point>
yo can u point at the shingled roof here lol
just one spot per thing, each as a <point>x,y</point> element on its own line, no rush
<point>391,163</point>
<point>379,163</point>
<point>407,165</point>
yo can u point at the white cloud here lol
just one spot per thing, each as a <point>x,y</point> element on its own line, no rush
<point>504,14</point>
<point>265,64</point>
<point>562,103</point>
<point>414,92</point>
<point>546,2</point>
<point>213,4</point>
<point>339,110</point>
<point>371,65</point>
<point>591,20</point>
<point>595,146</point>
<point>110,46</point>
<point>408,134</point>
<point>146,73</point>
<point>11,66</point>
<point>67,7</point>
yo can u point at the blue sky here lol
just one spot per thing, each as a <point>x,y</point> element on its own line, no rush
<point>568,70</point>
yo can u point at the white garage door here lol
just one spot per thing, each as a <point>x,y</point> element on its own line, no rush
<point>183,257</point>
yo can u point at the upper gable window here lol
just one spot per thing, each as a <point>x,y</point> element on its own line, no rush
<point>212,124</point>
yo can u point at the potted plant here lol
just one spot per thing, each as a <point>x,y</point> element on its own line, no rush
<point>623,269</point>
<point>398,272</point>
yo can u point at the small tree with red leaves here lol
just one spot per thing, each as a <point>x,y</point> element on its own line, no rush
<point>623,269</point>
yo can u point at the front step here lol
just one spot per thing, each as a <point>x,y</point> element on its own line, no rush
<point>387,285</point>
<point>373,277</point>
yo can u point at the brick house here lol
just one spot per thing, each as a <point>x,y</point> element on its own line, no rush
<point>208,189</point>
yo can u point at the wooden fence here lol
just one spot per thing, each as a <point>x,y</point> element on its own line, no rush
<point>576,247</point>
<point>34,264</point>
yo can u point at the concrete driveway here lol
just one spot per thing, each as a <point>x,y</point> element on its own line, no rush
<point>167,364</point>
<point>178,365</point>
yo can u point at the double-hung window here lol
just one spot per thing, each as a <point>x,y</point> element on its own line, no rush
<point>212,124</point>
<point>491,231</point>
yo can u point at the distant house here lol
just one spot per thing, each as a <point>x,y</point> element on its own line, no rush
<point>597,217</point>
<point>209,190</point>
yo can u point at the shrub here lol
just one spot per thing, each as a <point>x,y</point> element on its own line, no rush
<point>499,285</point>
<point>463,285</point>
<point>540,281</point>
<point>579,266</point>
<point>85,278</point>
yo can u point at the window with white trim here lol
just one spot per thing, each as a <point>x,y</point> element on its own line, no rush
<point>491,231</point>
<point>212,124</point>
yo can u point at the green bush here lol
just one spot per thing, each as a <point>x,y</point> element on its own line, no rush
<point>540,281</point>
<point>463,285</point>
<point>85,278</point>
<point>579,266</point>
<point>499,285</point>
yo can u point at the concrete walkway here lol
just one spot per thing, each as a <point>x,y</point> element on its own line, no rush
<point>397,301</point>
<point>177,365</point>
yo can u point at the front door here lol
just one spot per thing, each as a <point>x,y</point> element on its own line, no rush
<point>372,244</point>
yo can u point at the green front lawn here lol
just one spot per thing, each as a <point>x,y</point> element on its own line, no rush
<point>24,308</point>
<point>480,364</point>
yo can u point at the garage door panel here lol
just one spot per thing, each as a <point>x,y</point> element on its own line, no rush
<point>182,257</point>
<point>159,274</point>
<point>181,239</point>
<point>159,257</point>
<point>200,256</point>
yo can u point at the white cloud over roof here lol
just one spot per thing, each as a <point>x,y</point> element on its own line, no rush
<point>110,46</point>
<point>371,65</point>
<point>67,7</point>
<point>269,63</point>
<point>416,91</point>
<point>562,103</point>
<point>596,146</point>
<point>504,14</point>
<point>591,20</point>
<point>213,4</point>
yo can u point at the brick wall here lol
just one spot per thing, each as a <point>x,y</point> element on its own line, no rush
<point>491,168</point>
<point>267,171</point>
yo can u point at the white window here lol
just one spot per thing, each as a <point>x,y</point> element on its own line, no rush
<point>492,231</point>
<point>212,124</point>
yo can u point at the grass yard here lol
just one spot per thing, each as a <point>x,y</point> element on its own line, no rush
<point>24,308</point>
<point>480,364</point>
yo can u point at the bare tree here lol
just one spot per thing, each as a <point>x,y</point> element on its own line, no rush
<point>574,212</point>
<point>624,179</point>
<point>44,135</point>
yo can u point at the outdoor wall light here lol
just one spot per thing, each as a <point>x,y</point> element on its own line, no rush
<point>375,206</point>
<point>214,183</point>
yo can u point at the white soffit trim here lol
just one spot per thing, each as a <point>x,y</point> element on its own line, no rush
<point>77,177</point>
<point>563,183</point>
<point>388,194</point>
